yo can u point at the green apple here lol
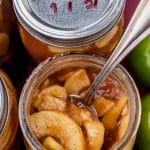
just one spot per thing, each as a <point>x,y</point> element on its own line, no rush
<point>143,136</point>
<point>140,61</point>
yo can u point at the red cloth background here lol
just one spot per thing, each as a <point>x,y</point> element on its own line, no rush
<point>130,7</point>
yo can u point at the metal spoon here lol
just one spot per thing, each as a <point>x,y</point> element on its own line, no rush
<point>137,30</point>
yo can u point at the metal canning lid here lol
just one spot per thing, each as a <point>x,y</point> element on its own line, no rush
<point>3,105</point>
<point>68,23</point>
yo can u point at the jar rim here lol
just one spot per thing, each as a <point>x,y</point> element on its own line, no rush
<point>136,109</point>
<point>4,105</point>
<point>71,36</point>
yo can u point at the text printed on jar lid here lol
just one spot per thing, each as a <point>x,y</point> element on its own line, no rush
<point>68,22</point>
<point>3,105</point>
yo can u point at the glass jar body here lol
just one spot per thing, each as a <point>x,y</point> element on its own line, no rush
<point>104,46</point>
<point>50,66</point>
<point>7,21</point>
<point>8,134</point>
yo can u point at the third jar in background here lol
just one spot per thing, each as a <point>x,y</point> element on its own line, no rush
<point>48,28</point>
<point>8,113</point>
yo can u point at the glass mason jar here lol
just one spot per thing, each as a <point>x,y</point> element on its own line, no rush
<point>8,113</point>
<point>6,28</point>
<point>49,28</point>
<point>50,67</point>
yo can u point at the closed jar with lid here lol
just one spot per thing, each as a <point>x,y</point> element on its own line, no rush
<point>8,113</point>
<point>48,28</point>
<point>6,28</point>
<point>48,119</point>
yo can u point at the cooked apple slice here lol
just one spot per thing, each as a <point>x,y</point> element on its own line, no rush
<point>51,144</point>
<point>45,84</point>
<point>51,103</point>
<point>65,75</point>
<point>110,118</point>
<point>58,125</point>
<point>74,112</point>
<point>103,105</point>
<point>78,114</point>
<point>77,82</point>
<point>93,127</point>
<point>105,40</point>
<point>125,110</point>
<point>56,91</point>
<point>95,132</point>
<point>55,49</point>
<point>124,122</point>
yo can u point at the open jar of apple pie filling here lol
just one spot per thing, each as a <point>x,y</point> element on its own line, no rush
<point>8,113</point>
<point>50,120</point>
<point>48,28</point>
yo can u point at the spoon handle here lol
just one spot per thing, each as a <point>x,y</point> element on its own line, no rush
<point>129,48</point>
<point>139,22</point>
